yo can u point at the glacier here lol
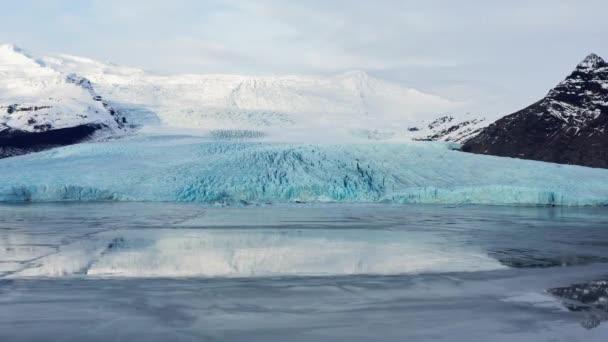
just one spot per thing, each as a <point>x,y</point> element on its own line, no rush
<point>198,169</point>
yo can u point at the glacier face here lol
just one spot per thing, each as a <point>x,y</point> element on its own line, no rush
<point>194,169</point>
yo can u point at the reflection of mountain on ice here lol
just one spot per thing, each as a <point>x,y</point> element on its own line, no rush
<point>254,253</point>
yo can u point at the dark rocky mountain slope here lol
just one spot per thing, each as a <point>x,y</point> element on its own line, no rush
<point>568,126</point>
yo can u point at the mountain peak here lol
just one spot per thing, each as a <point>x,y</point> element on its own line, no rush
<point>12,54</point>
<point>12,49</point>
<point>8,47</point>
<point>591,62</point>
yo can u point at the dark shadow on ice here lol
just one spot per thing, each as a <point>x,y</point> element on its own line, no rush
<point>137,115</point>
<point>533,258</point>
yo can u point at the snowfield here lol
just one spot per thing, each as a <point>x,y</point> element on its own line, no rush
<point>40,94</point>
<point>280,106</point>
<point>194,169</point>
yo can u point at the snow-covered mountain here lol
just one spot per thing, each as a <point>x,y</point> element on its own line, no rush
<point>342,107</point>
<point>60,100</point>
<point>41,107</point>
<point>569,125</point>
<point>174,153</point>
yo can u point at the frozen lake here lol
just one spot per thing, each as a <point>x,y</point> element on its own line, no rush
<point>185,272</point>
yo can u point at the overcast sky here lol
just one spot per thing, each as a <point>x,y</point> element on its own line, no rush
<point>503,54</point>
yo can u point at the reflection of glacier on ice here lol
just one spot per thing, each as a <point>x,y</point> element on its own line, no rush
<point>193,169</point>
<point>257,252</point>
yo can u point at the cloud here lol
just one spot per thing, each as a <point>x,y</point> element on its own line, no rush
<point>522,47</point>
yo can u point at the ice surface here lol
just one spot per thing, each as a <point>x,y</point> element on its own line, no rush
<point>166,168</point>
<point>184,272</point>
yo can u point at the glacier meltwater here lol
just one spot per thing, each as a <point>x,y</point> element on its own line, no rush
<point>196,169</point>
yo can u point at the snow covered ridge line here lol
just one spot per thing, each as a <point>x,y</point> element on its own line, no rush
<point>41,108</point>
<point>200,170</point>
<point>274,104</point>
<point>69,91</point>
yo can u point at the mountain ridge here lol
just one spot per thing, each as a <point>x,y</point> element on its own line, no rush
<point>41,107</point>
<point>354,103</point>
<point>567,126</point>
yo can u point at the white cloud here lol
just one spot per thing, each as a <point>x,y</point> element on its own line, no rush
<point>521,46</point>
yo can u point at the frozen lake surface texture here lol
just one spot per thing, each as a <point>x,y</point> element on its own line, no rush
<point>124,271</point>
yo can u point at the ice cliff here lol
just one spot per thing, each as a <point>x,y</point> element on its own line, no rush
<point>194,169</point>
